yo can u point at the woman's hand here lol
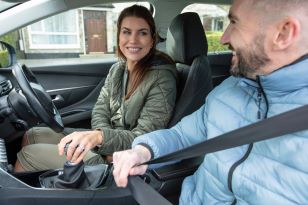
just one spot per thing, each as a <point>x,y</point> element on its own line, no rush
<point>79,144</point>
<point>126,163</point>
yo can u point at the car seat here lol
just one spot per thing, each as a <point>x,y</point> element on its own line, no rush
<point>186,43</point>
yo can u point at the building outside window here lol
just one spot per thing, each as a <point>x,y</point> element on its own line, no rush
<point>60,31</point>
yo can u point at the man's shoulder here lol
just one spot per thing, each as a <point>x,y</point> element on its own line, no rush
<point>227,84</point>
<point>231,87</point>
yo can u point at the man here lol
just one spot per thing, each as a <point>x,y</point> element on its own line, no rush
<point>270,75</point>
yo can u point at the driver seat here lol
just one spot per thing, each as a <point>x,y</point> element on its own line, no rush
<point>186,43</point>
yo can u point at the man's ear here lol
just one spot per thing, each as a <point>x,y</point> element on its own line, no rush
<point>286,33</point>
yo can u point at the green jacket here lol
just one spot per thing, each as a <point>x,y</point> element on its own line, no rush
<point>149,108</point>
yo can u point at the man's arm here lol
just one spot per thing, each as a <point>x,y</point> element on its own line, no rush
<point>189,131</point>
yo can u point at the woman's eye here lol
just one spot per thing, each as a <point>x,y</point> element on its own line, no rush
<point>144,33</point>
<point>125,32</point>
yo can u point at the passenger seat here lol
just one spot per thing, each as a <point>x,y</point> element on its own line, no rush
<point>186,43</point>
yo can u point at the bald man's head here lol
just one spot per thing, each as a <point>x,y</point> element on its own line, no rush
<point>276,9</point>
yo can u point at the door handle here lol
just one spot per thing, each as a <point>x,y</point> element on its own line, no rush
<point>58,99</point>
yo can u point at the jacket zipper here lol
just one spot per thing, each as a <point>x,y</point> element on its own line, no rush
<point>246,155</point>
<point>259,98</point>
<point>124,87</point>
<point>260,93</point>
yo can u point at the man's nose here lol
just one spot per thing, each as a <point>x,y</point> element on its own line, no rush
<point>224,40</point>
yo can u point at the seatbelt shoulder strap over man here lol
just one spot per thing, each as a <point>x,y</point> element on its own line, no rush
<point>285,123</point>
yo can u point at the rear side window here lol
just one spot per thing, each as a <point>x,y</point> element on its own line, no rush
<point>215,20</point>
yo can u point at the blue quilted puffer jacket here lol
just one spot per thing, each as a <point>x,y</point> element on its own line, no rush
<point>273,171</point>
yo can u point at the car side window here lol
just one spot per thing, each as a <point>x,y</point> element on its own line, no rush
<point>215,20</point>
<point>83,34</point>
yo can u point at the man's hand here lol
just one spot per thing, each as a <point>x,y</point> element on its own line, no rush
<point>126,163</point>
<point>79,144</point>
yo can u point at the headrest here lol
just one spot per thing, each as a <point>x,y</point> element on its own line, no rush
<point>186,38</point>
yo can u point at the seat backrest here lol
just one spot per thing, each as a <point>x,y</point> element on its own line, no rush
<point>186,43</point>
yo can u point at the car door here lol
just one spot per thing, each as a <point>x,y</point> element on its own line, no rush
<point>220,64</point>
<point>74,88</point>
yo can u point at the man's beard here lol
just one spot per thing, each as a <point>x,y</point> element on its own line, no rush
<point>249,60</point>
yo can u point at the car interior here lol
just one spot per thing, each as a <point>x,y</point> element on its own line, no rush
<point>61,93</point>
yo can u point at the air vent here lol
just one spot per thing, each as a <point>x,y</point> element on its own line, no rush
<point>6,87</point>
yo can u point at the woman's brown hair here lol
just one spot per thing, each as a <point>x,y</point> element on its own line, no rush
<point>144,64</point>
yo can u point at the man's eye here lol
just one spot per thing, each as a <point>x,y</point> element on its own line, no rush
<point>232,22</point>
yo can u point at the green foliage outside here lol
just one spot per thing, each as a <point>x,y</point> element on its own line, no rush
<point>213,39</point>
<point>4,58</point>
<point>8,38</point>
<point>12,39</point>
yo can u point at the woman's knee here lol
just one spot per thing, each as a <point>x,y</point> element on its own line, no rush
<point>40,157</point>
<point>25,140</point>
<point>26,156</point>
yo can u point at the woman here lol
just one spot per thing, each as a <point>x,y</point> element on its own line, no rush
<point>138,97</point>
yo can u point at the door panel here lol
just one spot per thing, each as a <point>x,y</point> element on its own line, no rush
<point>75,89</point>
<point>75,86</point>
<point>220,64</point>
<point>72,82</point>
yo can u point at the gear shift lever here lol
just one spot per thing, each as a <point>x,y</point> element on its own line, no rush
<point>73,175</point>
<point>76,176</point>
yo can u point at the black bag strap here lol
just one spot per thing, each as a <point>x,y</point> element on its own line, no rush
<point>282,124</point>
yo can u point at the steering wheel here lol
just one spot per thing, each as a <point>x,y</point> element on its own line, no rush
<point>38,99</point>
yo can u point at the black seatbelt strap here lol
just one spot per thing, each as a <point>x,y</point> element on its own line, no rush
<point>285,123</point>
<point>282,124</point>
<point>145,194</point>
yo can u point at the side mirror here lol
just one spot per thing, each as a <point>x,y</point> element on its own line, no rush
<point>7,55</point>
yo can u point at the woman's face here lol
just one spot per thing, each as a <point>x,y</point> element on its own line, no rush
<point>135,39</point>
